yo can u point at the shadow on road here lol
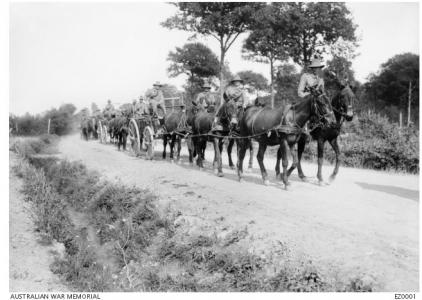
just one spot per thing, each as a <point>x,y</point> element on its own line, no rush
<point>394,190</point>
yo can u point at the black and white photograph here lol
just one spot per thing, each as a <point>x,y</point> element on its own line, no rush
<point>204,147</point>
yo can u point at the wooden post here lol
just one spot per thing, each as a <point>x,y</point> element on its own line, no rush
<point>400,119</point>
<point>408,103</point>
<point>48,127</point>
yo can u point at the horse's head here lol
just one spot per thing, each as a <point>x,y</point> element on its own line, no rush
<point>343,103</point>
<point>229,113</point>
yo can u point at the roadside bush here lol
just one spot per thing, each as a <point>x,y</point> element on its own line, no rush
<point>373,142</point>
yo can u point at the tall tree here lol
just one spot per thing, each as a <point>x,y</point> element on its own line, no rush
<point>313,26</point>
<point>196,61</point>
<point>224,21</point>
<point>266,43</point>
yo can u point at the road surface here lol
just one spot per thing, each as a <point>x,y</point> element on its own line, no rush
<point>363,224</point>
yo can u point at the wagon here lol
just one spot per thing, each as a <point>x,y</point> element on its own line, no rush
<point>142,130</point>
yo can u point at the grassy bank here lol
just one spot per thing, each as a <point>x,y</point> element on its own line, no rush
<point>117,239</point>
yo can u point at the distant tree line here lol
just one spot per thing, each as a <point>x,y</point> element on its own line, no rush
<point>62,121</point>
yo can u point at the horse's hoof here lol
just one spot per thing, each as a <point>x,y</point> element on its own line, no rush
<point>201,169</point>
<point>249,170</point>
<point>303,178</point>
<point>220,174</point>
<point>240,180</point>
<point>331,178</point>
<point>278,176</point>
<point>322,183</point>
<point>232,167</point>
<point>266,182</point>
<point>215,171</point>
<point>286,186</point>
<point>172,161</point>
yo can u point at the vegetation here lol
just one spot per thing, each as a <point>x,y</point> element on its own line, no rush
<point>62,121</point>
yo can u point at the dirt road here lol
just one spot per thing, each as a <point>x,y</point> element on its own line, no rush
<point>363,224</point>
<point>29,261</point>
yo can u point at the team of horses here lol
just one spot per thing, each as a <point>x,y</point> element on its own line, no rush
<point>282,127</point>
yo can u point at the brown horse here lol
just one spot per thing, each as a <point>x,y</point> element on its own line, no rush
<point>272,127</point>
<point>119,129</point>
<point>176,125</point>
<point>342,106</point>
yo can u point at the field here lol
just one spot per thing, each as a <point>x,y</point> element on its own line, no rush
<point>208,233</point>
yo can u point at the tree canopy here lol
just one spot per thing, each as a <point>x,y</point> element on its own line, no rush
<point>257,80</point>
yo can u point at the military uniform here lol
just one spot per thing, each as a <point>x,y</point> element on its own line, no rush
<point>205,98</point>
<point>308,81</point>
<point>156,100</point>
<point>140,108</point>
<point>109,110</point>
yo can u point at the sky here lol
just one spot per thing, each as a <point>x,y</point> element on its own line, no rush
<point>90,52</point>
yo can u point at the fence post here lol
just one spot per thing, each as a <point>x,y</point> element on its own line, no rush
<point>400,119</point>
<point>48,127</point>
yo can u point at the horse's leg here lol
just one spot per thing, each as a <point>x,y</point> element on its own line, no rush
<point>260,158</point>
<point>199,146</point>
<point>320,159</point>
<point>241,151</point>
<point>119,137</point>
<point>218,143</point>
<point>229,153</point>
<point>336,149</point>
<point>294,157</point>
<point>277,164</point>
<point>285,161</point>
<point>179,146</point>
<point>172,142</point>
<point>250,155</point>
<point>164,145</point>
<point>300,148</point>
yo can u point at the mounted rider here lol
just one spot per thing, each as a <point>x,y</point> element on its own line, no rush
<point>312,85</point>
<point>109,110</point>
<point>234,92</point>
<point>155,98</point>
<point>140,108</point>
<point>205,99</point>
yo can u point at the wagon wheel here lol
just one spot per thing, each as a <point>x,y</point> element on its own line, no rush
<point>148,142</point>
<point>134,138</point>
<point>100,132</point>
<point>106,136</point>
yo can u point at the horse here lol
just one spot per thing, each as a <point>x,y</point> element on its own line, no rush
<point>201,126</point>
<point>342,106</point>
<point>270,127</point>
<point>175,125</point>
<point>85,129</point>
<point>118,127</point>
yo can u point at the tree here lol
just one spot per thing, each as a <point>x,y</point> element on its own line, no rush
<point>224,21</point>
<point>257,80</point>
<point>196,61</point>
<point>266,43</point>
<point>312,27</point>
<point>391,85</point>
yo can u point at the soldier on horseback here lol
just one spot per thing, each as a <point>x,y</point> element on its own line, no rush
<point>139,108</point>
<point>312,85</point>
<point>234,92</point>
<point>205,99</point>
<point>109,111</point>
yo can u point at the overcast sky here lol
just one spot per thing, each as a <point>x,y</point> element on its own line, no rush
<point>91,52</point>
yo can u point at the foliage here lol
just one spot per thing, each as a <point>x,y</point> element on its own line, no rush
<point>224,21</point>
<point>61,122</point>
<point>266,42</point>
<point>320,24</point>
<point>257,80</point>
<point>287,81</point>
<point>195,60</point>
<point>374,142</point>
<point>390,87</point>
